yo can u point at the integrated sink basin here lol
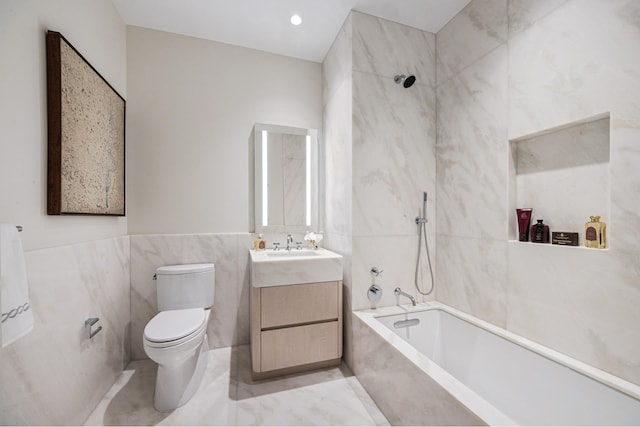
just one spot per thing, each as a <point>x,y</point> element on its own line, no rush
<point>293,253</point>
<point>282,267</point>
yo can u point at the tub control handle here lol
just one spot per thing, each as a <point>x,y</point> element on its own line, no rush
<point>405,323</point>
<point>374,293</point>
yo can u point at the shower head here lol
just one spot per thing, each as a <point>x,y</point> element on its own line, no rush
<point>407,81</point>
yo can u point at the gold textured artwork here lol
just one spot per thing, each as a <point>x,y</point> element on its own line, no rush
<point>86,127</point>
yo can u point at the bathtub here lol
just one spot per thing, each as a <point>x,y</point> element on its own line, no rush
<point>436,365</point>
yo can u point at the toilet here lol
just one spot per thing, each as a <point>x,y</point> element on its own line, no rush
<point>176,337</point>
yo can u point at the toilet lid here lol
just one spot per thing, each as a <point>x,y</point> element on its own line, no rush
<point>172,325</point>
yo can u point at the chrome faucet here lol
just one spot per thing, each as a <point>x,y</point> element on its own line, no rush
<point>399,291</point>
<point>289,241</point>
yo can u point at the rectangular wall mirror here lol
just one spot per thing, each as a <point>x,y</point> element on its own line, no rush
<point>285,181</point>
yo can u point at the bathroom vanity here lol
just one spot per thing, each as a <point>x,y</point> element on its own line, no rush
<point>296,311</point>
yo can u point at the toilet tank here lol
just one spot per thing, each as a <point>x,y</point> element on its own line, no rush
<point>185,286</point>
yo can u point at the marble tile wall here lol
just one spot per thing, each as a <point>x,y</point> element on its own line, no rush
<point>54,375</point>
<point>524,13</point>
<point>393,154</point>
<point>572,161</point>
<point>589,53</point>
<point>336,158</point>
<point>472,133</point>
<point>379,155</point>
<point>511,69</point>
<point>478,29</point>
<point>229,320</point>
<point>583,303</point>
<point>336,147</point>
<point>472,198</point>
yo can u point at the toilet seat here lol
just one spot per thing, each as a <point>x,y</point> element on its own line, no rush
<point>173,327</point>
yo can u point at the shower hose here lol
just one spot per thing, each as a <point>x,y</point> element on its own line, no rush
<point>423,231</point>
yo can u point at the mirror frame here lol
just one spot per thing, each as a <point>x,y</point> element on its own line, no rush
<point>260,190</point>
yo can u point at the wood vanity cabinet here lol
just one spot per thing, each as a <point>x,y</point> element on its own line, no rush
<point>295,328</point>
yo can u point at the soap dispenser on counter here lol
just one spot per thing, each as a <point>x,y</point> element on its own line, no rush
<point>595,233</point>
<point>259,244</point>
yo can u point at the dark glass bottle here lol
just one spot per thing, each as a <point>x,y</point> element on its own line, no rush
<point>539,232</point>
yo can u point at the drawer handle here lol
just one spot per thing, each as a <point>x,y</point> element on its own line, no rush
<point>295,325</point>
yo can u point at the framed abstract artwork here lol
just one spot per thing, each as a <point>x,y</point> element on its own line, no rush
<point>86,136</point>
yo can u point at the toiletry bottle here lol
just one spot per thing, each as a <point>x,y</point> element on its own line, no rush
<point>259,244</point>
<point>524,220</point>
<point>595,233</point>
<point>540,232</point>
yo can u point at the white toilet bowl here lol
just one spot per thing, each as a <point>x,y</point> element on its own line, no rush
<point>177,341</point>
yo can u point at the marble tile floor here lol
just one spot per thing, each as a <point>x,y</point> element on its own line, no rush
<point>228,396</point>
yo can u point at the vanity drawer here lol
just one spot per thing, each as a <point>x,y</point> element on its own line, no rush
<point>299,304</point>
<point>299,345</point>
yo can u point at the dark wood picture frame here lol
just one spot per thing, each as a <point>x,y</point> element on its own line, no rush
<point>86,136</point>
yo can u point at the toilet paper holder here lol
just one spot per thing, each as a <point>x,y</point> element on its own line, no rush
<point>89,323</point>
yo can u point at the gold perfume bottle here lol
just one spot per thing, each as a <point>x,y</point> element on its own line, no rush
<point>595,233</point>
<point>259,244</point>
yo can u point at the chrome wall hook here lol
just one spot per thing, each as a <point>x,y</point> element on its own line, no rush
<point>89,323</point>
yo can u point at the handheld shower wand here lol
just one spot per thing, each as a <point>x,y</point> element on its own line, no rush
<point>424,205</point>
<point>423,218</point>
<point>422,231</point>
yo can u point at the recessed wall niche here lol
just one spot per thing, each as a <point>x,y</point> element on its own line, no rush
<point>563,174</point>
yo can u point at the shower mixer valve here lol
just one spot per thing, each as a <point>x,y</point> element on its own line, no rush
<point>374,293</point>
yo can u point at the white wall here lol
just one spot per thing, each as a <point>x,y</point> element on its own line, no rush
<point>191,107</point>
<point>54,375</point>
<point>97,31</point>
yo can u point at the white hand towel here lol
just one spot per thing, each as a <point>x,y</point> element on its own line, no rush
<point>16,316</point>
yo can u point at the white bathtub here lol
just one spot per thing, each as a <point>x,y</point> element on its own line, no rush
<point>502,378</point>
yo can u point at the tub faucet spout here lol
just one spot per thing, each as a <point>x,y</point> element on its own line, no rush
<point>399,291</point>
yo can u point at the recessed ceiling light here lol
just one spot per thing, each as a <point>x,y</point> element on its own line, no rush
<point>296,20</point>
